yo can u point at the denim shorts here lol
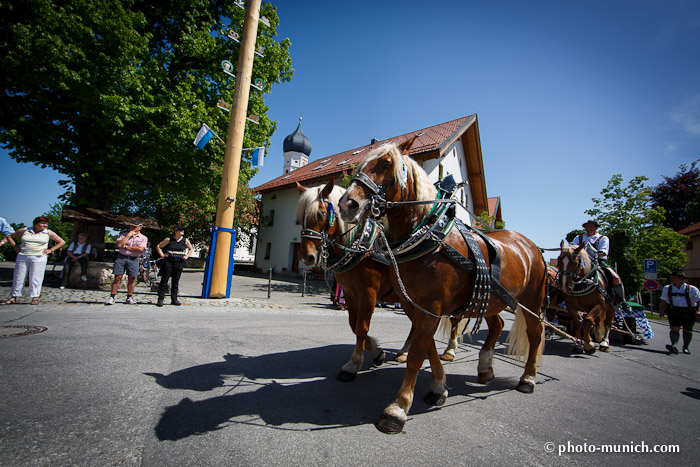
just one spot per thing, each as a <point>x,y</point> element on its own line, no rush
<point>128,263</point>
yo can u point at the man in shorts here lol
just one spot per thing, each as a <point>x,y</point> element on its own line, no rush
<point>131,245</point>
<point>681,302</point>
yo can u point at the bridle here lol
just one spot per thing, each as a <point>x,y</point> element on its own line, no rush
<point>378,202</point>
<point>322,236</point>
<point>588,281</point>
<point>353,252</point>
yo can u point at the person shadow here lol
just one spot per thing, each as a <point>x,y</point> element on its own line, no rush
<point>297,390</point>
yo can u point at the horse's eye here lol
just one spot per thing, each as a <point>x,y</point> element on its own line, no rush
<point>320,215</point>
<point>386,165</point>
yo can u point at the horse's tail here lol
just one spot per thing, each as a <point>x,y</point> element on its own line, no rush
<point>444,330</point>
<point>518,342</point>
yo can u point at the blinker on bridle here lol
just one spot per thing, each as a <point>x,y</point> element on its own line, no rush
<point>378,199</point>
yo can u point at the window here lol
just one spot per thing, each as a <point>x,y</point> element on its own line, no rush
<point>689,245</point>
<point>268,248</point>
<point>271,219</point>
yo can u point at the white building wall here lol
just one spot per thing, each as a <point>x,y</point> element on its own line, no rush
<point>283,233</point>
<point>453,162</point>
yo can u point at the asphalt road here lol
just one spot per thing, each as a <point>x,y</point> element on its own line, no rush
<point>251,381</point>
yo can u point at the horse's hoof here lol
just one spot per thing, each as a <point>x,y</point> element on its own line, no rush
<point>604,349</point>
<point>401,358</point>
<point>345,376</point>
<point>447,357</point>
<point>526,387</point>
<point>379,358</point>
<point>389,424</point>
<point>485,377</point>
<point>434,399</point>
<point>590,351</point>
<point>576,350</point>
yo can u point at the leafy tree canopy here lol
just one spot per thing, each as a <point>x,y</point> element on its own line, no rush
<point>636,231</point>
<point>110,93</point>
<point>680,197</point>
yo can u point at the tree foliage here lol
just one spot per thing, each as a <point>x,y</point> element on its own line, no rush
<point>110,93</point>
<point>636,231</point>
<point>679,196</point>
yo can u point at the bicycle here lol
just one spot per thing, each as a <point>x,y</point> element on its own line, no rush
<point>148,271</point>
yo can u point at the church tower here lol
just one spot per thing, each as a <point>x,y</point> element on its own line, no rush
<point>297,149</point>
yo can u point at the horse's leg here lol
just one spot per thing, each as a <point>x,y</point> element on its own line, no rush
<point>449,354</point>
<point>402,355</point>
<point>605,342</point>
<point>534,336</point>
<point>437,395</point>
<point>485,366</point>
<point>360,313</point>
<point>587,325</point>
<point>395,414</point>
<point>576,324</point>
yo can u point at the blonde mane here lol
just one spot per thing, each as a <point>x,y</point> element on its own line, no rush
<point>423,188</point>
<point>309,202</point>
<point>586,261</point>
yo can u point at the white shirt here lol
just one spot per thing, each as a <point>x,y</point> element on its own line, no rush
<point>602,247</point>
<point>679,300</point>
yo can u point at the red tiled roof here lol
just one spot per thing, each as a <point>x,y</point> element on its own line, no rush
<point>690,229</point>
<point>432,138</point>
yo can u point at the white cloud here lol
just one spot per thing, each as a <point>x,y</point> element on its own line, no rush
<point>687,115</point>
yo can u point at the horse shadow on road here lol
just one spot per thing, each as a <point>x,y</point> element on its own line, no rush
<point>294,390</point>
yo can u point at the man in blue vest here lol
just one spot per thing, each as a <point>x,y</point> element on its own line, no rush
<point>681,301</point>
<point>601,243</point>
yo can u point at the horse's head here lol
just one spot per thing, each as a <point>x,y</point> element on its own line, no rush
<point>387,174</point>
<point>574,263</point>
<point>319,221</point>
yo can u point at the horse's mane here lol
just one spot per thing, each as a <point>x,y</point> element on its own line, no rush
<point>586,261</point>
<point>422,186</point>
<point>310,199</point>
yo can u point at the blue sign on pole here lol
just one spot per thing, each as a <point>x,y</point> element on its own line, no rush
<point>651,266</point>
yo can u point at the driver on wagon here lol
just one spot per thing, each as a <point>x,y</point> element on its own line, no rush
<point>601,243</point>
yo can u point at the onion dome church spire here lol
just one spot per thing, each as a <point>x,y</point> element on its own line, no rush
<point>297,149</point>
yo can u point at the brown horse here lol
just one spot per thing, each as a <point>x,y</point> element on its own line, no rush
<point>575,264</point>
<point>362,285</point>
<point>364,280</point>
<point>435,286</point>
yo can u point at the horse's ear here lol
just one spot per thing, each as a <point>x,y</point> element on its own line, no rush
<point>561,245</point>
<point>406,145</point>
<point>328,188</point>
<point>301,187</point>
<point>580,247</point>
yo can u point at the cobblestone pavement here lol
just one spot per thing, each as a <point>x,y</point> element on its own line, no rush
<point>249,291</point>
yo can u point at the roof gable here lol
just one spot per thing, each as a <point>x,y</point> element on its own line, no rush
<point>434,139</point>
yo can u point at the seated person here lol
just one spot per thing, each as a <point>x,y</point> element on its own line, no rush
<point>78,252</point>
<point>601,243</point>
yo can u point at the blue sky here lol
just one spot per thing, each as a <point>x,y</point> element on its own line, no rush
<point>567,94</point>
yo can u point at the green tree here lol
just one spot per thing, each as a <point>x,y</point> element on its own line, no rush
<point>635,229</point>
<point>110,93</point>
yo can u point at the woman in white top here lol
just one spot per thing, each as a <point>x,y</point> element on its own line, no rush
<point>31,258</point>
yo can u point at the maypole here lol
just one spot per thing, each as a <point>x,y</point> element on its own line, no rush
<point>221,270</point>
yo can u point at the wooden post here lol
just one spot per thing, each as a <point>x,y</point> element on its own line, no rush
<point>234,146</point>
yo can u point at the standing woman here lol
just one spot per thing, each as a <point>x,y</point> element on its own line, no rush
<point>175,250</point>
<point>32,256</point>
